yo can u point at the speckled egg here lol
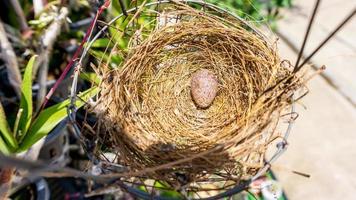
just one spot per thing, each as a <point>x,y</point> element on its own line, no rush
<point>204,88</point>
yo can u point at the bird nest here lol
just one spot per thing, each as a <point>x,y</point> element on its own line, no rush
<point>198,95</point>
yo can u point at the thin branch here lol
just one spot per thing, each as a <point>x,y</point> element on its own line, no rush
<point>20,15</point>
<point>39,168</point>
<point>38,6</point>
<point>9,57</point>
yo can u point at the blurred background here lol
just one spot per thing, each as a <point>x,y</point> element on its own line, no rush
<point>323,140</point>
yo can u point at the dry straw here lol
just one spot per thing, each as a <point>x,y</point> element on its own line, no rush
<point>149,119</point>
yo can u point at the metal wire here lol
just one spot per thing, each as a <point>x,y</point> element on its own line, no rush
<point>307,33</point>
<point>337,29</point>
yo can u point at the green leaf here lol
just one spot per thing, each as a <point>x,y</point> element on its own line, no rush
<point>5,131</point>
<point>166,191</point>
<point>101,43</point>
<point>52,116</point>
<point>90,77</point>
<point>116,60</point>
<point>26,98</point>
<point>3,147</point>
<point>99,55</point>
<point>142,188</point>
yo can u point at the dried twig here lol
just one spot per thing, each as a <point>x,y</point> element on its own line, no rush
<point>9,57</point>
<point>38,6</point>
<point>39,168</point>
<point>20,15</point>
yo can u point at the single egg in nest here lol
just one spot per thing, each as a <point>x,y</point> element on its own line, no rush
<point>199,96</point>
<point>204,88</point>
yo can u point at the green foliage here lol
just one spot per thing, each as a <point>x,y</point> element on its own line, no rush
<point>50,117</point>
<point>282,3</point>
<point>256,10</point>
<point>166,191</point>
<point>26,98</point>
<point>6,136</point>
<point>106,56</point>
<point>31,130</point>
<point>3,147</point>
<point>90,77</point>
<point>101,43</point>
<point>99,55</point>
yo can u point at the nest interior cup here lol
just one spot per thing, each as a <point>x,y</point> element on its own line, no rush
<point>151,119</point>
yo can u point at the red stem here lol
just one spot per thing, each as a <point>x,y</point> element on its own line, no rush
<point>76,54</point>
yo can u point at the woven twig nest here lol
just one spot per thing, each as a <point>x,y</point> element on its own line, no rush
<point>152,120</point>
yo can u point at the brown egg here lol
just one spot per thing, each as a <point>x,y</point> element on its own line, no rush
<point>204,87</point>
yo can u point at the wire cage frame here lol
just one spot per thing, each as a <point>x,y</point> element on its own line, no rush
<point>281,145</point>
